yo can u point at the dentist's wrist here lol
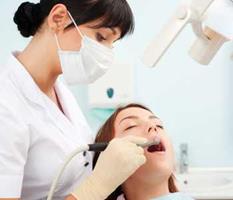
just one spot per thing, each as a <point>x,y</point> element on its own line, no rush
<point>92,189</point>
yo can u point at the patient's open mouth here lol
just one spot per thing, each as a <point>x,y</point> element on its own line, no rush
<point>156,148</point>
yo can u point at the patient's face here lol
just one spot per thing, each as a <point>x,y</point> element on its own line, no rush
<point>140,122</point>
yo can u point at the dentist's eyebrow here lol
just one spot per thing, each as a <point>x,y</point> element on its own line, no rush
<point>113,30</point>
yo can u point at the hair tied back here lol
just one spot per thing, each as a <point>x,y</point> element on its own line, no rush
<point>28,18</point>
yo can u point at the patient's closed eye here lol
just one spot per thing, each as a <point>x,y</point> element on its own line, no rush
<point>135,125</point>
<point>159,126</point>
<point>130,127</point>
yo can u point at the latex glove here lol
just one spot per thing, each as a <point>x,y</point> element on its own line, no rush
<point>119,161</point>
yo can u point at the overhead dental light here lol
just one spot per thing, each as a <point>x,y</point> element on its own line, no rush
<point>212,22</point>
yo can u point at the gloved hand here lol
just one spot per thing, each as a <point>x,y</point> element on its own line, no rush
<point>119,161</point>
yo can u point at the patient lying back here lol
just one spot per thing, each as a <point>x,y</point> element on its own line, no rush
<point>154,180</point>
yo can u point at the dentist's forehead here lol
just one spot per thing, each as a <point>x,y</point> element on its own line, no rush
<point>133,113</point>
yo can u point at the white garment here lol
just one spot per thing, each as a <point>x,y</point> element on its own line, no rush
<point>171,196</point>
<point>35,137</point>
<point>121,197</point>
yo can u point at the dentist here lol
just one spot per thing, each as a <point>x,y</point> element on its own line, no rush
<point>40,121</point>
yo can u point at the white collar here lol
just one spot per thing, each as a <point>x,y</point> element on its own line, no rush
<point>27,86</point>
<point>24,81</point>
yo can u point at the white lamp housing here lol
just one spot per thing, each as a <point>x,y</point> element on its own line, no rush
<point>212,22</point>
<point>218,22</point>
<point>219,17</point>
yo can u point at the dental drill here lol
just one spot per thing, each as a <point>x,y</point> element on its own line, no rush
<point>97,147</point>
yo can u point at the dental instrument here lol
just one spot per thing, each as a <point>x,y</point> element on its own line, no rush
<point>97,147</point>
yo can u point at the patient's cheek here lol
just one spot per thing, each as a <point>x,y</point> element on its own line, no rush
<point>132,133</point>
<point>121,135</point>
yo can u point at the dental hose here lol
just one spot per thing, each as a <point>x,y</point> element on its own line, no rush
<point>97,147</point>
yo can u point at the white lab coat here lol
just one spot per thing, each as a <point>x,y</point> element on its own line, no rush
<point>35,137</point>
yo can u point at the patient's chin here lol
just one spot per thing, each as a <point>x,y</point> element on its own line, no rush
<point>156,166</point>
<point>160,161</point>
<point>152,170</point>
<point>150,178</point>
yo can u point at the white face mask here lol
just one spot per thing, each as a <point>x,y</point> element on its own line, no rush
<point>86,65</point>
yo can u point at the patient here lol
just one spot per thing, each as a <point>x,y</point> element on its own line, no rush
<point>154,180</point>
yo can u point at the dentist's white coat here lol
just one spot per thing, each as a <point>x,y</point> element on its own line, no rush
<point>35,137</point>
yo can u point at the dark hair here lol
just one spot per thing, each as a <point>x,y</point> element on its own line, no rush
<point>114,13</point>
<point>107,132</point>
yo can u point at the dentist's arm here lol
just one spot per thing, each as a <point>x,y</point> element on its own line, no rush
<point>118,162</point>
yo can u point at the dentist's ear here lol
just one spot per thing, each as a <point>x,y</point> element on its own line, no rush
<point>58,18</point>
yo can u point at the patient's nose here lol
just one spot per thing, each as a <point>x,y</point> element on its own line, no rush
<point>151,128</point>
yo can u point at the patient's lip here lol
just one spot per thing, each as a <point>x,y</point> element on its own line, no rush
<point>160,148</point>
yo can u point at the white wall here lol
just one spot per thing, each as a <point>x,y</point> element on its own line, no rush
<point>193,101</point>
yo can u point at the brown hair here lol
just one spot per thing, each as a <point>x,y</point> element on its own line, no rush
<point>106,133</point>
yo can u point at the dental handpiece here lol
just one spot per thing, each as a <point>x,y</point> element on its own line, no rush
<point>98,147</point>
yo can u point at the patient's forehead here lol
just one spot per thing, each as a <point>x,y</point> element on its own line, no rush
<point>133,111</point>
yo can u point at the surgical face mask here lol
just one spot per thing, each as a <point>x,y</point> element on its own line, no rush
<point>86,65</point>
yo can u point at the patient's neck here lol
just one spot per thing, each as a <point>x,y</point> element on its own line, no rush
<point>138,190</point>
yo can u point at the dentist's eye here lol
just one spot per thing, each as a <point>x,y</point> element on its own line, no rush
<point>99,37</point>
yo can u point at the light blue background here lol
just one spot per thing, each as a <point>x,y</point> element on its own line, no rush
<point>194,101</point>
